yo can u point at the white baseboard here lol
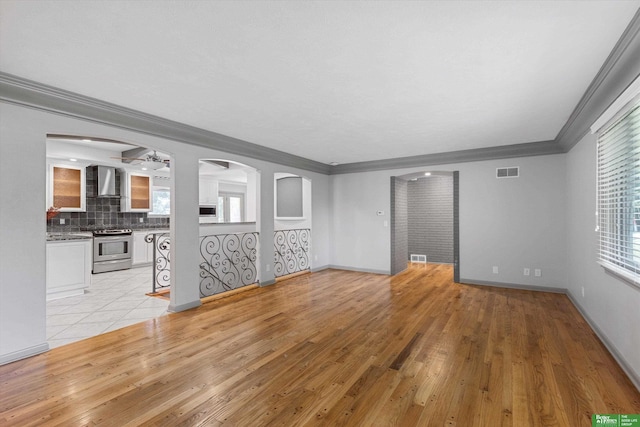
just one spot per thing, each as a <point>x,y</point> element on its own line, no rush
<point>361,270</point>
<point>183,307</point>
<point>514,286</point>
<point>24,353</point>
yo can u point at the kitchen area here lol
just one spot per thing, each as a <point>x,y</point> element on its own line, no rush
<point>108,207</point>
<point>103,198</point>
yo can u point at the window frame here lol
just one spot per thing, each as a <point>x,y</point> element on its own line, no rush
<point>617,191</point>
<point>224,212</point>
<point>153,190</point>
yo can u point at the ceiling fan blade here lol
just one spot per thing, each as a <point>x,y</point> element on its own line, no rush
<point>126,158</point>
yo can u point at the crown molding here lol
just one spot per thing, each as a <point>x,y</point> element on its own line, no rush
<point>620,69</point>
<point>20,91</point>
<point>477,154</point>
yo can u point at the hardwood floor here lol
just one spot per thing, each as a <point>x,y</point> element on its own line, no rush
<point>334,348</point>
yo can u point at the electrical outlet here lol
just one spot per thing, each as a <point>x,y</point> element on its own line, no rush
<point>527,272</point>
<point>141,219</point>
<point>537,272</point>
<point>268,267</point>
<point>583,292</point>
<point>315,258</point>
<point>495,269</point>
<point>62,221</point>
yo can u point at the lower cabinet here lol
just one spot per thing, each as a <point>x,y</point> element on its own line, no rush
<point>68,268</point>
<point>142,251</point>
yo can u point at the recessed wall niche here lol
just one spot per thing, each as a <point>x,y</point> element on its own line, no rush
<point>289,197</point>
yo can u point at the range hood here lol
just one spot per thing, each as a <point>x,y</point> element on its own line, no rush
<point>106,181</point>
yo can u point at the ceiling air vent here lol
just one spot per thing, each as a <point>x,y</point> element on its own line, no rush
<point>508,172</point>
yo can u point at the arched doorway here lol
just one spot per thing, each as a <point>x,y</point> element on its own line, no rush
<point>228,238</point>
<point>108,196</point>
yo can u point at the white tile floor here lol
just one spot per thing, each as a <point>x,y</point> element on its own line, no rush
<point>114,300</point>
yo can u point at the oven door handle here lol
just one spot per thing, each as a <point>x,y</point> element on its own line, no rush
<point>111,238</point>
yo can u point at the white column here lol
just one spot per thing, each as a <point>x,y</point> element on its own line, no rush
<point>251,198</point>
<point>22,234</point>
<point>265,225</point>
<point>185,289</point>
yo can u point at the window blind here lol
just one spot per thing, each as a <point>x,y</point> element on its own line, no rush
<point>619,195</point>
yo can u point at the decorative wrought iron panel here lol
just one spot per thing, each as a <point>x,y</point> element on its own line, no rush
<point>291,251</point>
<point>227,261</point>
<point>161,260</point>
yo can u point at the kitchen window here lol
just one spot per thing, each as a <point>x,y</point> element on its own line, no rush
<point>230,207</point>
<point>161,202</point>
<point>618,192</point>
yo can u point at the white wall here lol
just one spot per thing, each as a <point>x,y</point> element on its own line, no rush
<point>610,304</point>
<point>22,235</point>
<point>360,240</point>
<point>509,223</point>
<point>22,218</point>
<point>513,223</point>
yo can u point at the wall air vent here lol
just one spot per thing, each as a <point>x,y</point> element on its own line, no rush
<point>419,258</point>
<point>513,172</point>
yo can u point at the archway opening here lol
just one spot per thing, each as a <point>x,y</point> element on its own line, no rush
<point>104,197</point>
<point>424,220</point>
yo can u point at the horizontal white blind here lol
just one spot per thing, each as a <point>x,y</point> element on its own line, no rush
<point>619,195</point>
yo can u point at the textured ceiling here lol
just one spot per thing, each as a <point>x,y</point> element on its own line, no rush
<point>330,81</point>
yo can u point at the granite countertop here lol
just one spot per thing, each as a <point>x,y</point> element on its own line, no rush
<point>55,237</point>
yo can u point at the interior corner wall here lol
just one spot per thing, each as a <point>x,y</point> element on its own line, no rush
<point>430,218</point>
<point>399,225</point>
<point>610,304</point>
<point>510,223</point>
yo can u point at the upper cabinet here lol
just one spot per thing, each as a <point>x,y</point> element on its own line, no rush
<point>136,192</point>
<point>67,188</point>
<point>208,191</point>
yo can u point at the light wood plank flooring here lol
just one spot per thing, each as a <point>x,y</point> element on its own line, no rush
<point>334,348</point>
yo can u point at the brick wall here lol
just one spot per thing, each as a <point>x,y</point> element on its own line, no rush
<point>430,218</point>
<point>399,225</point>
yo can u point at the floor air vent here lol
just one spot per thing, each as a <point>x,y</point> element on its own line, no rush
<point>419,258</point>
<point>508,172</point>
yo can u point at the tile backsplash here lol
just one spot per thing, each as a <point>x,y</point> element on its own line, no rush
<point>103,212</point>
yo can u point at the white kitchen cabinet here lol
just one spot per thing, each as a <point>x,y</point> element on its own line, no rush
<point>208,191</point>
<point>135,190</point>
<point>68,267</point>
<point>66,189</point>
<point>142,251</point>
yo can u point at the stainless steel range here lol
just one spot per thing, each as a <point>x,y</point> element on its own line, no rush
<point>112,250</point>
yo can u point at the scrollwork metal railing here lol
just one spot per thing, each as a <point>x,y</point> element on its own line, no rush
<point>161,260</point>
<point>227,261</point>
<point>291,251</point>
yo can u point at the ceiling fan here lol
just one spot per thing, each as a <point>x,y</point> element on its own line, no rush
<point>150,161</point>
